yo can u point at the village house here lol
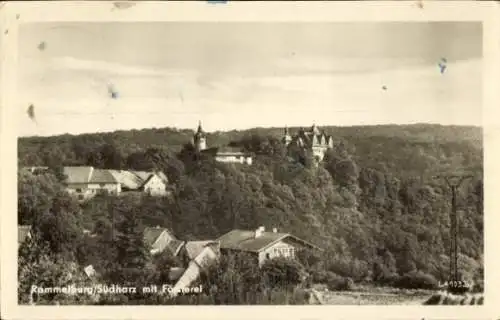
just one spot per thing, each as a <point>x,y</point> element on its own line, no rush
<point>86,182</point>
<point>263,245</point>
<point>191,249</point>
<point>221,154</point>
<point>152,183</point>
<point>158,239</point>
<point>197,256</point>
<point>23,234</point>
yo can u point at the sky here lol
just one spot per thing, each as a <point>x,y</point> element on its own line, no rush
<point>242,75</point>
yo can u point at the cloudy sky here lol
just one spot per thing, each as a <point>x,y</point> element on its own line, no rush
<point>241,75</point>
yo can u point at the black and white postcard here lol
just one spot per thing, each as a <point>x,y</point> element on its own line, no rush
<point>210,154</point>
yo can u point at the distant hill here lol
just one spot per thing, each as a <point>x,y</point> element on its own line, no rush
<point>372,143</point>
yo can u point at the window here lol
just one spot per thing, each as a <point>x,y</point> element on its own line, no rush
<point>78,190</point>
<point>80,197</point>
<point>102,185</point>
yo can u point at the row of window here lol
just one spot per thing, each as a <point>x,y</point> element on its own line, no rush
<point>284,252</point>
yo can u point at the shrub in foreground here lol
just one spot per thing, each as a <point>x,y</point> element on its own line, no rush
<point>416,280</point>
<point>335,282</point>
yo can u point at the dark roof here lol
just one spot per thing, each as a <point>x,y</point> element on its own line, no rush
<point>151,234</point>
<point>227,149</point>
<point>175,245</point>
<point>245,240</point>
<point>22,233</point>
<point>194,248</point>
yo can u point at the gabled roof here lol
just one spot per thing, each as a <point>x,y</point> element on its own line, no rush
<point>151,234</point>
<point>194,248</point>
<point>127,179</point>
<point>135,179</point>
<point>150,175</point>
<point>77,174</point>
<point>102,176</point>
<point>22,233</point>
<point>85,174</point>
<point>244,240</point>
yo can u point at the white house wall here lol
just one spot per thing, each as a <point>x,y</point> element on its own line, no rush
<point>234,159</point>
<point>280,248</point>
<point>155,186</point>
<point>88,190</point>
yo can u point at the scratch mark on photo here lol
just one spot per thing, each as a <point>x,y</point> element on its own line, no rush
<point>123,5</point>
<point>113,93</point>
<point>442,65</point>
<point>31,112</point>
<point>41,46</point>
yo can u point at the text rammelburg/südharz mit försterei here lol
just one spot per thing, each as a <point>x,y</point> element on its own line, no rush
<point>113,289</point>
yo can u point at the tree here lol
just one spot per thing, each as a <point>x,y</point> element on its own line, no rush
<point>35,195</point>
<point>132,256</point>
<point>37,266</point>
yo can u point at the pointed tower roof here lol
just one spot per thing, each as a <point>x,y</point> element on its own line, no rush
<point>314,129</point>
<point>199,131</point>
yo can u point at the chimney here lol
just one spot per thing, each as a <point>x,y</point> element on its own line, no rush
<point>275,230</point>
<point>259,232</point>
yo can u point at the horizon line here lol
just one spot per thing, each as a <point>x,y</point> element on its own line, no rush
<point>252,128</point>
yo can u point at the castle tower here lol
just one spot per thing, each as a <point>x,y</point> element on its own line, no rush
<point>200,138</point>
<point>315,129</point>
<point>287,138</point>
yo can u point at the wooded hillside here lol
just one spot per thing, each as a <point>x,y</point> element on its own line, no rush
<point>375,204</point>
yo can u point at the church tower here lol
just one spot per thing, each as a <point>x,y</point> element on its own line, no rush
<point>287,138</point>
<point>200,138</point>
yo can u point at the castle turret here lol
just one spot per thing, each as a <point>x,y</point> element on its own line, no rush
<point>200,138</point>
<point>314,129</point>
<point>287,138</point>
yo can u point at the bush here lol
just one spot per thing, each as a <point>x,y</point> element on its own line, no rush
<point>338,283</point>
<point>478,286</point>
<point>319,276</point>
<point>416,280</point>
<point>388,279</point>
<point>283,272</point>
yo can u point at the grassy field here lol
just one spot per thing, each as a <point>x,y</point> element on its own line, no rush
<point>373,296</point>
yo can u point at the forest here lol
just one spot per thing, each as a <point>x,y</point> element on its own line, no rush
<point>378,204</point>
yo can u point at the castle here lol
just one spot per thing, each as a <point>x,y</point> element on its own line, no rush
<point>311,140</point>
